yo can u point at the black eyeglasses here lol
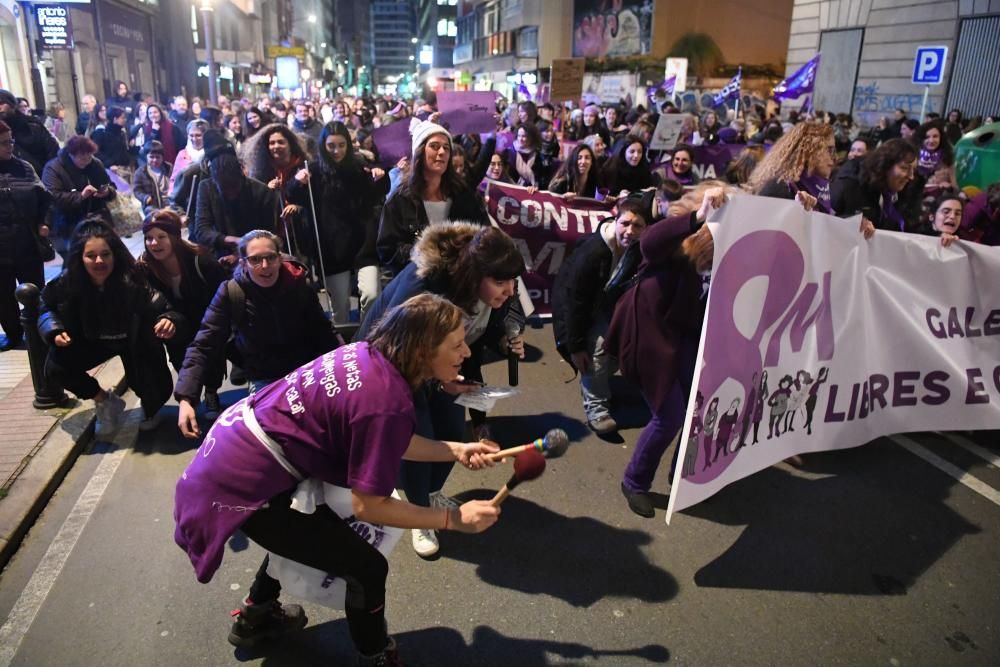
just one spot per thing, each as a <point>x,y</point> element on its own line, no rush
<point>258,260</point>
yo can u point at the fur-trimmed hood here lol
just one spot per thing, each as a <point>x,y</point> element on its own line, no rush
<point>438,245</point>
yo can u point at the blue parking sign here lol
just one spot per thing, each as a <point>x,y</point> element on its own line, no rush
<point>928,66</point>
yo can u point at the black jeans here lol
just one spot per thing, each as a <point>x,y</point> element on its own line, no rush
<point>68,366</point>
<point>30,271</point>
<point>324,541</point>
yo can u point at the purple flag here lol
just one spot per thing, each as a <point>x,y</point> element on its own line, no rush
<point>731,91</point>
<point>667,86</point>
<point>800,83</point>
<point>468,112</point>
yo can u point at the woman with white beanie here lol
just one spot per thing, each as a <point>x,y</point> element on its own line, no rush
<point>431,192</point>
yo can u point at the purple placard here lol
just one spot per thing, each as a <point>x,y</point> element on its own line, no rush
<point>468,112</point>
<point>393,142</point>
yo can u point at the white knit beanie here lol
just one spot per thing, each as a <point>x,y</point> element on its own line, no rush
<point>422,130</point>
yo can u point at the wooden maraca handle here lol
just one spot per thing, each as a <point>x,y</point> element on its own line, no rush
<point>505,453</point>
<point>500,496</point>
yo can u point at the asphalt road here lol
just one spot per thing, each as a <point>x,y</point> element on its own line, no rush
<point>869,556</point>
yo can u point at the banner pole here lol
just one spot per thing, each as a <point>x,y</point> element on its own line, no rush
<point>923,105</point>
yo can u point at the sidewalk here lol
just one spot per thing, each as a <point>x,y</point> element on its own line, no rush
<point>38,447</point>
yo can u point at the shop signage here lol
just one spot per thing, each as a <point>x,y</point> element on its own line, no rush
<point>54,28</point>
<point>279,51</point>
<point>125,28</point>
<point>260,79</point>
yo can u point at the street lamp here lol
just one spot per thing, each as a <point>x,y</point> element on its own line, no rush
<point>206,12</point>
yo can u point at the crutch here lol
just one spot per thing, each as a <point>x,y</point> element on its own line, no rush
<point>319,249</point>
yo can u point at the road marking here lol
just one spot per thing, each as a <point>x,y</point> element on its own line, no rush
<point>973,448</point>
<point>974,483</point>
<point>33,596</point>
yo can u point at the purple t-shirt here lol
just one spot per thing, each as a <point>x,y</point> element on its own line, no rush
<point>345,418</point>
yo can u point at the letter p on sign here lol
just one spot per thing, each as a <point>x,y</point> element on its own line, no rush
<point>928,66</point>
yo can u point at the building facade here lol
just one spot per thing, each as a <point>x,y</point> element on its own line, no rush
<point>436,32</point>
<point>869,47</point>
<point>393,48</point>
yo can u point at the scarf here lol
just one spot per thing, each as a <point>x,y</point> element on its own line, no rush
<point>889,211</point>
<point>819,188</point>
<point>524,166</point>
<point>928,162</point>
<point>195,155</point>
<point>683,179</point>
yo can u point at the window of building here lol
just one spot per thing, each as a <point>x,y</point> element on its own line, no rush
<point>194,26</point>
<point>442,27</point>
<point>452,29</point>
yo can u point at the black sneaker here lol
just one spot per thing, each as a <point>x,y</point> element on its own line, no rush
<point>389,657</point>
<point>212,405</point>
<point>253,623</point>
<point>639,502</point>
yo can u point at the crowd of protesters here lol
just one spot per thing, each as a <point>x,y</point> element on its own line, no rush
<point>251,208</point>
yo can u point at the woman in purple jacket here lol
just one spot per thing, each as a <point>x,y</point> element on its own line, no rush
<point>346,418</point>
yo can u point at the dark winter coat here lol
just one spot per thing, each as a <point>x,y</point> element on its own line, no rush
<point>344,199</point>
<point>24,203</point>
<point>33,142</point>
<point>429,273</point>
<point>65,310</point>
<point>280,328</point>
<point>65,182</point>
<point>404,217</point>
<point>112,146</point>
<point>256,207</point>
<point>144,188</point>
<point>661,314</point>
<point>184,194</point>
<point>202,277</point>
<point>850,196</point>
<point>581,294</point>
<point>542,168</point>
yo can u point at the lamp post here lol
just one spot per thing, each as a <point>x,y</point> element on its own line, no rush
<point>213,88</point>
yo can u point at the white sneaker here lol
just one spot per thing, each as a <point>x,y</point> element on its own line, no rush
<point>425,542</point>
<point>441,501</point>
<point>109,415</point>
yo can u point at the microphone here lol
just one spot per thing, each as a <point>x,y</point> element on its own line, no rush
<point>513,331</point>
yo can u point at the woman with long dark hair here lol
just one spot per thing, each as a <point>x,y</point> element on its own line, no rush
<point>253,120</point>
<point>628,170</point>
<point>344,194</point>
<point>100,307</point>
<point>189,276</point>
<point>936,160</point>
<point>882,190</point>
<point>475,268</point>
<point>577,176</point>
<point>276,156</point>
<point>527,165</point>
<point>433,192</point>
<point>161,128</point>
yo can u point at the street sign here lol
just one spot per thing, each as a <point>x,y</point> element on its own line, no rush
<point>54,28</point>
<point>928,66</point>
<point>278,51</point>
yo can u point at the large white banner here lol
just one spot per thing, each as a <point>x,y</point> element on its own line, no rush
<point>816,339</point>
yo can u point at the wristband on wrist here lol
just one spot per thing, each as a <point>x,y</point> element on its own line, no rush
<point>447,518</point>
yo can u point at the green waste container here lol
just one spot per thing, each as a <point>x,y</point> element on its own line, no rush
<point>977,158</point>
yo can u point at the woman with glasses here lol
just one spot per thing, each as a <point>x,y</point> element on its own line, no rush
<point>273,315</point>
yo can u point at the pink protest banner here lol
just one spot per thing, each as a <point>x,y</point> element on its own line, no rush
<point>794,356</point>
<point>468,112</point>
<point>545,227</point>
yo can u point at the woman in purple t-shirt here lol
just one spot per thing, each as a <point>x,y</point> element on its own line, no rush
<point>346,418</point>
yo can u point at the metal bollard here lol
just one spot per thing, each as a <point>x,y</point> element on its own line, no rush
<point>47,394</point>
